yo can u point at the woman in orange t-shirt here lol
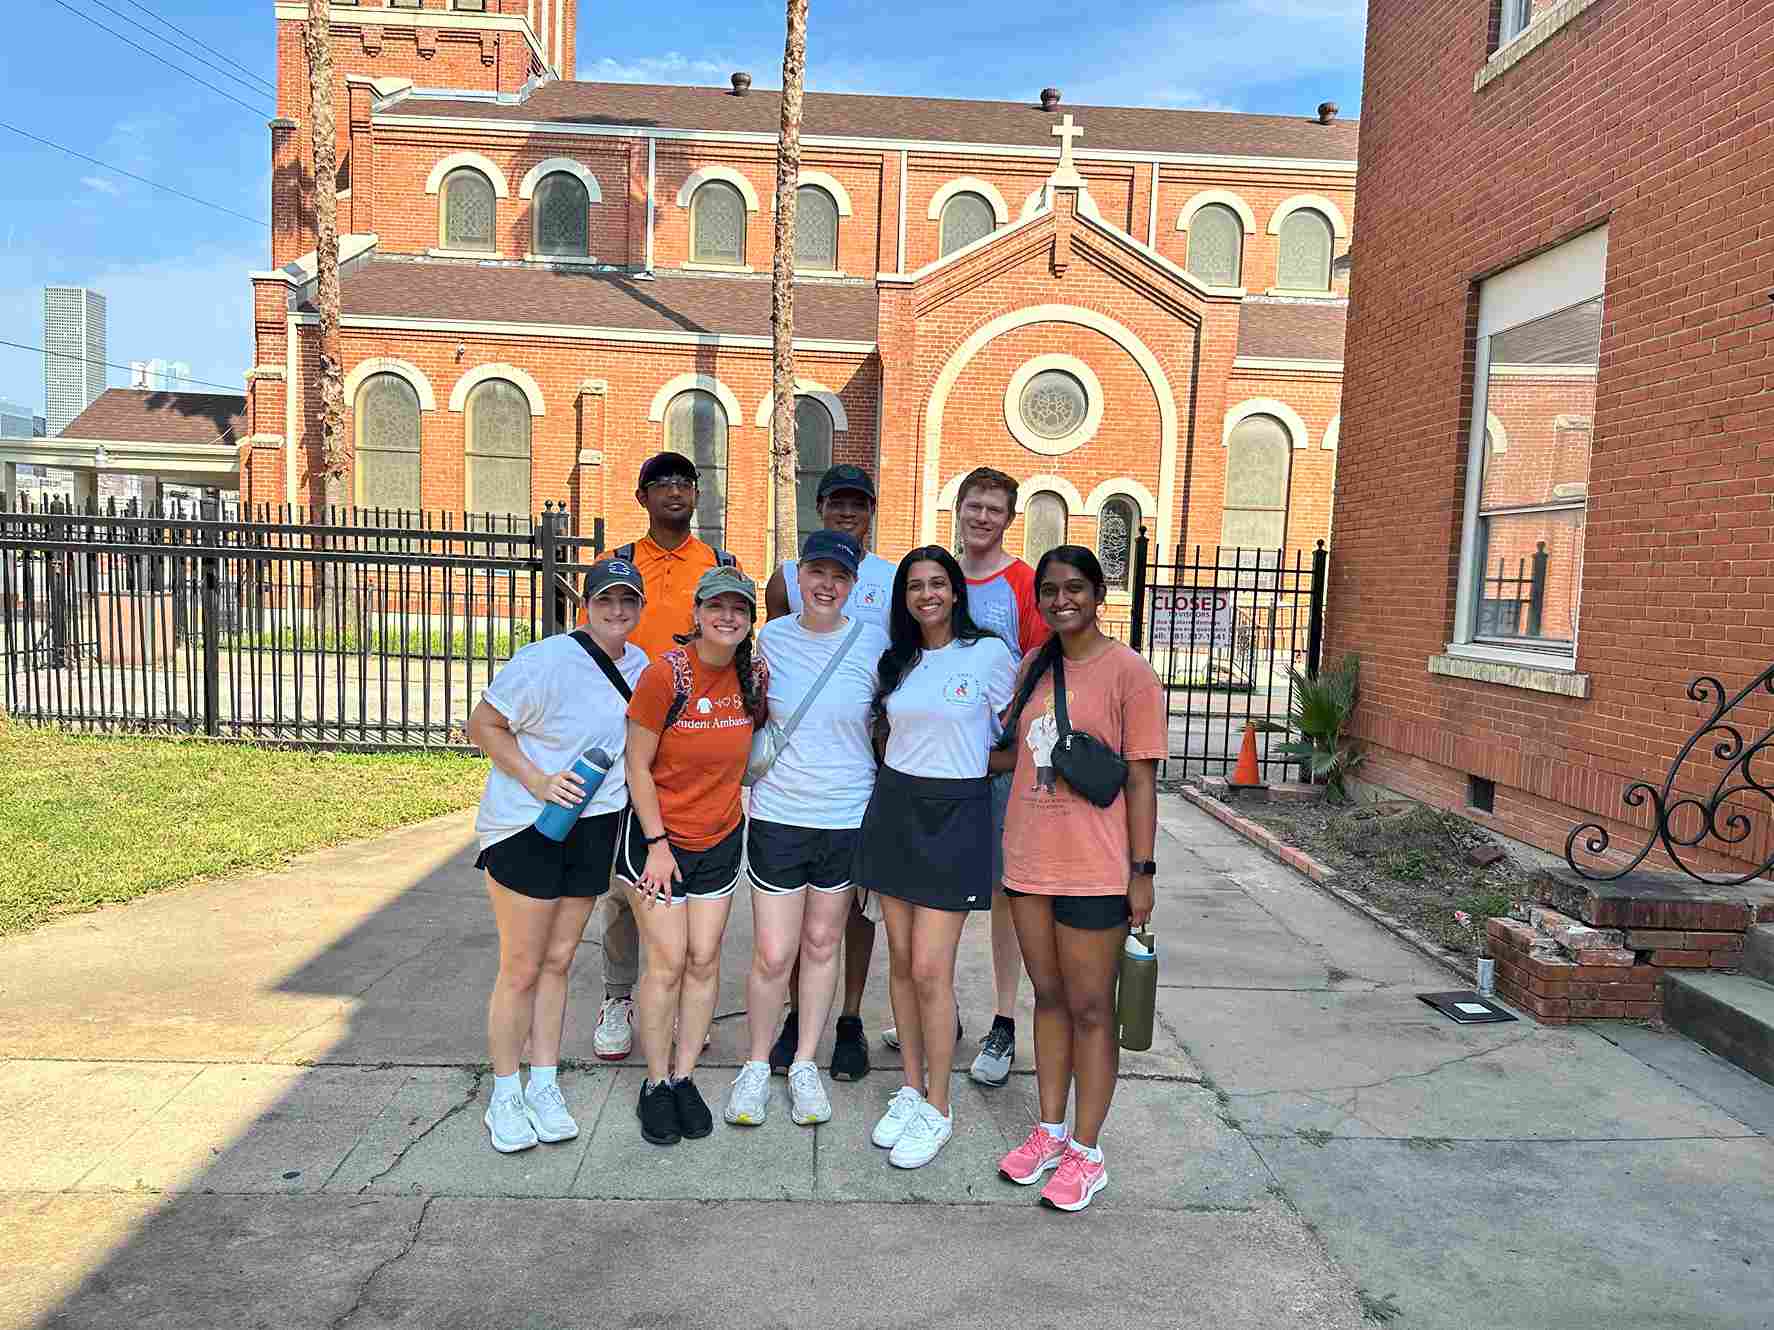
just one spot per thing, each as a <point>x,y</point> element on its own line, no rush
<point>1077,875</point>
<point>690,728</point>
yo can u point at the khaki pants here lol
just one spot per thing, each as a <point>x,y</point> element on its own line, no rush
<point>622,944</point>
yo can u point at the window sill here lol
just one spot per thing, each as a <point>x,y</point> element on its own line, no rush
<point>481,254</point>
<point>1510,669</point>
<point>1295,293</point>
<point>1536,34</point>
<point>820,272</point>
<point>566,260</point>
<point>688,266</point>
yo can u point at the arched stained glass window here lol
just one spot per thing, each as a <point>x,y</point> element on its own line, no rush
<point>717,224</point>
<point>965,218</point>
<point>1305,260</point>
<point>468,210</point>
<point>563,216</point>
<point>1115,528</point>
<point>813,458</point>
<point>498,451</point>
<point>1216,245</point>
<point>387,419</point>
<point>696,426</point>
<point>816,229</point>
<point>1044,524</point>
<point>1257,459</point>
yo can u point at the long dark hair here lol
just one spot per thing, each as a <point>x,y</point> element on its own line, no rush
<point>1073,556</point>
<point>907,638</point>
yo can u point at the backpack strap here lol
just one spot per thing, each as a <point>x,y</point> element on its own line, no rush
<point>625,552</point>
<point>726,559</point>
<point>682,681</point>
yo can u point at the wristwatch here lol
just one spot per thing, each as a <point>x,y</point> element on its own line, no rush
<point>1145,867</point>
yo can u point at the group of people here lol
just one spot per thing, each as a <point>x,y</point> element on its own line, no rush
<point>897,727</point>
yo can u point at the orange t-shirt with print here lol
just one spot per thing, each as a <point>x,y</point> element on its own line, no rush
<point>1056,842</point>
<point>702,757</point>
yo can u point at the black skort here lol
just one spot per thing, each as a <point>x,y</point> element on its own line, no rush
<point>785,860</point>
<point>927,840</point>
<point>705,874</point>
<point>546,870</point>
<point>1092,913</point>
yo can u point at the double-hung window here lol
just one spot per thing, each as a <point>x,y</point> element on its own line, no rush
<point>1533,417</point>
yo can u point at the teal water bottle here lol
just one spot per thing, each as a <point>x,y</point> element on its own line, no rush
<point>592,766</point>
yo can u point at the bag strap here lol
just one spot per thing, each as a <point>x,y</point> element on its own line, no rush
<point>824,678</point>
<point>604,663</point>
<point>1059,696</point>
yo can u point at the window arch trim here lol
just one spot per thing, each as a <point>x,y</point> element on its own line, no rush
<point>1125,487</point>
<point>969,184</point>
<point>498,370</point>
<point>1310,203</point>
<point>560,166</point>
<point>1298,435</point>
<point>456,160</point>
<point>707,383</point>
<point>702,176</point>
<point>829,183</point>
<point>404,369</point>
<point>1034,485</point>
<point>1230,200</point>
<point>807,388</point>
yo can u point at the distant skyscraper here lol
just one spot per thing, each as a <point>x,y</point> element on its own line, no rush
<point>16,421</point>
<point>75,352</point>
<point>166,376</point>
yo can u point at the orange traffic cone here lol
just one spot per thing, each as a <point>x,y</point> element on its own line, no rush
<point>1245,774</point>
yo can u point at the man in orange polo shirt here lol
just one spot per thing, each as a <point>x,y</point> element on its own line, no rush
<point>671,561</point>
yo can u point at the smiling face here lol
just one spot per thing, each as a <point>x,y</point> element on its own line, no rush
<point>825,586</point>
<point>983,517</point>
<point>850,511</point>
<point>613,613</point>
<point>929,595</point>
<point>670,502</point>
<point>1068,599</point>
<point>725,619</point>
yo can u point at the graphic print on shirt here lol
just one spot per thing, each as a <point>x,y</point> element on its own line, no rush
<point>1042,736</point>
<point>961,689</point>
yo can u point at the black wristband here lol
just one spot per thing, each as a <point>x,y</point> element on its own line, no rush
<point>654,840</point>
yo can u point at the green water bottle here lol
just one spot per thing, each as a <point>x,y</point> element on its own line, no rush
<point>1136,992</point>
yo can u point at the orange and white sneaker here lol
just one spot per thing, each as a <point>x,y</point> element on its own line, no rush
<point>1076,1182</point>
<point>1031,1159</point>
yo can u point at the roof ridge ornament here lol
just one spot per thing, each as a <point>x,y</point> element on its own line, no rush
<point>1066,173</point>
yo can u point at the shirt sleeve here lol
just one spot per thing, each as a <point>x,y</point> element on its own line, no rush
<point>652,697</point>
<point>1145,725</point>
<point>1031,628</point>
<point>516,692</point>
<point>1000,678</point>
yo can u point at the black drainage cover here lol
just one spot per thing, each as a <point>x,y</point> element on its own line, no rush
<point>1466,1008</point>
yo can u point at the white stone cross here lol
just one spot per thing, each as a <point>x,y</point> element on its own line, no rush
<point>1065,131</point>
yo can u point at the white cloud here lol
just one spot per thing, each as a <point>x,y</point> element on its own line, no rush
<point>672,67</point>
<point>102,185</point>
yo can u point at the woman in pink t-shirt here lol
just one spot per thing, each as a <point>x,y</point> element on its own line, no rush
<point>1077,875</point>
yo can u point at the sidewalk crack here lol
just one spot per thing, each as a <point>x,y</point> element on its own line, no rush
<point>1313,1090</point>
<point>363,1289</point>
<point>472,1095</point>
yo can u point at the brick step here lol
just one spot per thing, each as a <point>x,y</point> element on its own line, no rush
<point>1730,1014</point>
<point>1646,899</point>
<point>1758,953</point>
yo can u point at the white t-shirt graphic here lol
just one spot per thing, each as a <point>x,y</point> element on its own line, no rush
<point>945,711</point>
<point>871,598</point>
<point>1042,736</point>
<point>558,703</point>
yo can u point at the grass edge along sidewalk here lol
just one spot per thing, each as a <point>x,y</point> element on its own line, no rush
<point>93,820</point>
<point>1325,879</point>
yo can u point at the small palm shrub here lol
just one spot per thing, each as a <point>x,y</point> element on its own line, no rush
<point>1320,711</point>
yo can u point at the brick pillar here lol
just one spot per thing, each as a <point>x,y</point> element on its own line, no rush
<point>588,495</point>
<point>887,248</point>
<point>361,219</point>
<point>566,57</point>
<point>637,204</point>
<point>292,194</point>
<point>900,498</point>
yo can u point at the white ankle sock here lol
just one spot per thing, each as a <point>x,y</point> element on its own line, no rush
<point>1057,1130</point>
<point>1094,1153</point>
<point>504,1085</point>
<point>542,1077</point>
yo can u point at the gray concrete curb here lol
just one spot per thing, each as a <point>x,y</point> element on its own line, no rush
<point>1325,879</point>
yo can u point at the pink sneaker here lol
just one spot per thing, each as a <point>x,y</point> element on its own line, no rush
<point>1032,1158</point>
<point>1076,1182</point>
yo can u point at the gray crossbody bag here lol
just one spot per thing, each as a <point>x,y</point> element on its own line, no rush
<point>769,742</point>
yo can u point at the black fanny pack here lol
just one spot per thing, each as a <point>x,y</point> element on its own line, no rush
<point>1082,760</point>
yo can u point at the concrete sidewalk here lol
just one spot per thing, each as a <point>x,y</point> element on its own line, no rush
<point>259,1102</point>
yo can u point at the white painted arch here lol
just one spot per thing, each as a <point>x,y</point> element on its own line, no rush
<point>1093,404</point>
<point>1499,435</point>
<point>403,369</point>
<point>703,175</point>
<point>820,393</point>
<point>969,184</point>
<point>1127,487</point>
<point>1077,316</point>
<point>684,383</point>
<point>829,183</point>
<point>479,161</point>
<point>1298,434</point>
<point>1317,203</point>
<point>1049,485</point>
<point>497,370</point>
<point>1333,432</point>
<point>1225,196</point>
<point>558,165</point>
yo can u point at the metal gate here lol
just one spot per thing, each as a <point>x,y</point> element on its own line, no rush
<point>1225,629</point>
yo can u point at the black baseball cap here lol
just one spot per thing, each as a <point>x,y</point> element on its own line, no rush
<point>840,547</point>
<point>665,466</point>
<point>845,477</point>
<point>606,573</point>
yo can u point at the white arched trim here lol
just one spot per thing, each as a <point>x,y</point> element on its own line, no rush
<point>1042,199</point>
<point>1127,487</point>
<point>1267,406</point>
<point>1224,196</point>
<point>945,501</point>
<point>829,183</point>
<point>485,165</point>
<point>1093,404</point>
<point>970,184</point>
<point>1499,435</point>
<point>1317,203</point>
<point>1118,333</point>
<point>400,369</point>
<point>1332,432</point>
<point>1050,485</point>
<point>701,177</point>
<point>708,384</point>
<point>551,166</point>
<point>819,393</point>
<point>481,373</point>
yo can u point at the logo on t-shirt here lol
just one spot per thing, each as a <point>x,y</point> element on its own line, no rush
<point>961,689</point>
<point>872,597</point>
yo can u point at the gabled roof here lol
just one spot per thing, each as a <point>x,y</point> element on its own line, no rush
<point>1292,330</point>
<point>920,119</point>
<point>141,415</point>
<point>475,293</point>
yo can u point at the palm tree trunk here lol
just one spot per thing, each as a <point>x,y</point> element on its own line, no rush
<point>782,289</point>
<point>335,455</point>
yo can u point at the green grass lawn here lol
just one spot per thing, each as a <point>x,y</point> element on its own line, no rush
<point>90,820</point>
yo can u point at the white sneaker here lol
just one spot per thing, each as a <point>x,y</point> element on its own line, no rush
<point>614,1036</point>
<point>890,1037</point>
<point>748,1102</point>
<point>900,1109</point>
<point>547,1111</point>
<point>509,1124</point>
<point>809,1105</point>
<point>926,1133</point>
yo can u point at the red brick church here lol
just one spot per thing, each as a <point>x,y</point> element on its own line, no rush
<point>1139,313</point>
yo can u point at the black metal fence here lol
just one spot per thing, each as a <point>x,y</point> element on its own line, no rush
<point>340,628</point>
<point>1224,629</point>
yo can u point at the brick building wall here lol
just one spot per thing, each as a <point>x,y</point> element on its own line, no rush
<point>1608,118</point>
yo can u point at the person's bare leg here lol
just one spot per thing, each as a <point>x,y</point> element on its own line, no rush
<point>859,954</point>
<point>1053,1018</point>
<point>1089,957</point>
<point>776,941</point>
<point>822,926</point>
<point>902,990</point>
<point>665,938</point>
<point>1007,956</point>
<point>935,935</point>
<point>702,977</point>
<point>549,1015</point>
<point>524,925</point>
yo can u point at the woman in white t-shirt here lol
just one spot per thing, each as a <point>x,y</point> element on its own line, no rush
<point>926,845</point>
<point>553,700</point>
<point>801,843</point>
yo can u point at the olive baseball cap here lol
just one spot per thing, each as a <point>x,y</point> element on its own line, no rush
<point>720,580</point>
<point>845,477</point>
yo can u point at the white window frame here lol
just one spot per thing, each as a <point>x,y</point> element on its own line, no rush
<point>1568,275</point>
<point>1517,18</point>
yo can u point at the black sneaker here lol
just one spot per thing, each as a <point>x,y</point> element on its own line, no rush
<point>782,1052</point>
<point>658,1112</point>
<point>850,1054</point>
<point>694,1119</point>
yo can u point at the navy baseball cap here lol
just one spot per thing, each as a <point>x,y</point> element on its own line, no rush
<point>838,546</point>
<point>845,477</point>
<point>607,573</point>
<point>665,466</point>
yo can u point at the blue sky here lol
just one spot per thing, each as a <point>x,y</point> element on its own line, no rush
<point>175,273</point>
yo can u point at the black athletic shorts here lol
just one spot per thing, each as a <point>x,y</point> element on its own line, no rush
<point>705,874</point>
<point>785,860</point>
<point>545,870</point>
<point>1093,913</point>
